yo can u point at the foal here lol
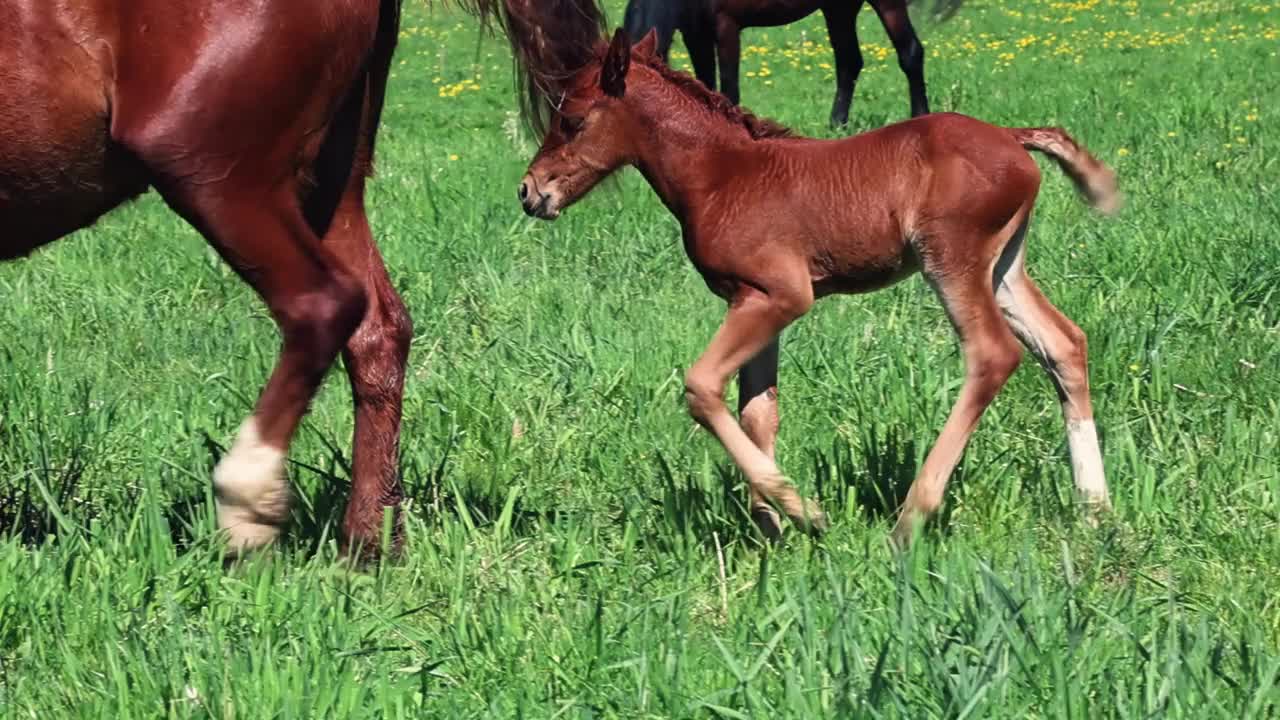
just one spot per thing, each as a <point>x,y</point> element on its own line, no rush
<point>773,221</point>
<point>712,29</point>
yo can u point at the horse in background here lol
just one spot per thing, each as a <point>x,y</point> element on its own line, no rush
<point>712,31</point>
<point>773,221</point>
<point>255,120</point>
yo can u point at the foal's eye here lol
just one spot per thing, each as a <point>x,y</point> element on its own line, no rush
<point>570,125</point>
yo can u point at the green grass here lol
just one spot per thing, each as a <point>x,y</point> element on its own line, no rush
<point>601,565</point>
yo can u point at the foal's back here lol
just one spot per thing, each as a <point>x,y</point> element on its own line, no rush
<point>863,209</point>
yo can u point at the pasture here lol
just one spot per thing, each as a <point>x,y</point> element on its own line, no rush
<point>577,547</point>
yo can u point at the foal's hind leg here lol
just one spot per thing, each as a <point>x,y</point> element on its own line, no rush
<point>753,321</point>
<point>991,354</point>
<point>1060,346</point>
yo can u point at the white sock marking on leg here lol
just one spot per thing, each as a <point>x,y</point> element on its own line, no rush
<point>251,490</point>
<point>1086,461</point>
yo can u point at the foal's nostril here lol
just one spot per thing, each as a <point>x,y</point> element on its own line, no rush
<point>523,192</point>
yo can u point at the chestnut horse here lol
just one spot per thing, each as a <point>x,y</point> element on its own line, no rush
<point>255,120</point>
<point>712,30</point>
<point>773,221</point>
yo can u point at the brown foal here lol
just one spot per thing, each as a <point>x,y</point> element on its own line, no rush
<point>773,221</point>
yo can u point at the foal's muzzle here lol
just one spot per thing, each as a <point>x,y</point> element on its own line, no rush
<point>535,202</point>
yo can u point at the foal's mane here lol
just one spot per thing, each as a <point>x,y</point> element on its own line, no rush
<point>757,127</point>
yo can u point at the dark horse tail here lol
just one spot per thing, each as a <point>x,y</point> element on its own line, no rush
<point>1093,179</point>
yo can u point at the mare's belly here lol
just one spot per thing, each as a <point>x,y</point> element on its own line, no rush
<point>58,169</point>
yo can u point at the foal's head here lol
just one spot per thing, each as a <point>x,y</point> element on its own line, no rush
<point>592,133</point>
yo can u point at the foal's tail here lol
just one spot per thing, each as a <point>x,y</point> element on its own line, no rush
<point>1095,181</point>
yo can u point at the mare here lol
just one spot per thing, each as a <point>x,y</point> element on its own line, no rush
<point>712,31</point>
<point>773,221</point>
<point>255,120</point>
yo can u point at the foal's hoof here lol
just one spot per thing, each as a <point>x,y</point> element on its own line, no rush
<point>904,532</point>
<point>1095,511</point>
<point>768,522</point>
<point>812,521</point>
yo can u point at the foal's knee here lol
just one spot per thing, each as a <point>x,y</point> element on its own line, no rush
<point>703,395</point>
<point>1071,362</point>
<point>991,366</point>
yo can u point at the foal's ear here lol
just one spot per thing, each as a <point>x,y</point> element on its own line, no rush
<point>648,44</point>
<point>613,74</point>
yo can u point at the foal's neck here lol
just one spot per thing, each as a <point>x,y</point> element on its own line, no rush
<point>691,152</point>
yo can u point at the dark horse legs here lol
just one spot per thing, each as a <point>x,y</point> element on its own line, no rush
<point>702,53</point>
<point>893,15</point>
<point>842,29</point>
<point>729,53</point>
<point>841,20</point>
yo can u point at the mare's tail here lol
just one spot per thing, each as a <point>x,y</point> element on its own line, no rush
<point>1095,181</point>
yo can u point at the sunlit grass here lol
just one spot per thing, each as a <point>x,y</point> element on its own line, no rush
<point>578,548</point>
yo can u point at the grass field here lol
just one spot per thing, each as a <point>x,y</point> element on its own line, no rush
<point>578,549</point>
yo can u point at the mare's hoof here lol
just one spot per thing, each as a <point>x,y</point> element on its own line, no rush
<point>246,536</point>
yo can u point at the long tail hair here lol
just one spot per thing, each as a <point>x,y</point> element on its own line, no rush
<point>550,40</point>
<point>1095,181</point>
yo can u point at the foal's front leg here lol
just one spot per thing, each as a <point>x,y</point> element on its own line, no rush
<point>753,321</point>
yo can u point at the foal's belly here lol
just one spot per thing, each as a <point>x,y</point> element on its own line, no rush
<point>58,169</point>
<point>849,271</point>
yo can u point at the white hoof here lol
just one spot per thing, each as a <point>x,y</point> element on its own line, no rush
<point>251,491</point>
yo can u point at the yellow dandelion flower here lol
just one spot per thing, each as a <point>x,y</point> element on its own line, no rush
<point>453,157</point>
<point>1122,152</point>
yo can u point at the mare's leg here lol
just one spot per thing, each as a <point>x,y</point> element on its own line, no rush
<point>375,356</point>
<point>1060,347</point>
<point>758,413</point>
<point>893,14</point>
<point>754,320</point>
<point>842,29</point>
<point>702,53</point>
<point>729,51</point>
<point>991,354</point>
<point>316,302</point>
